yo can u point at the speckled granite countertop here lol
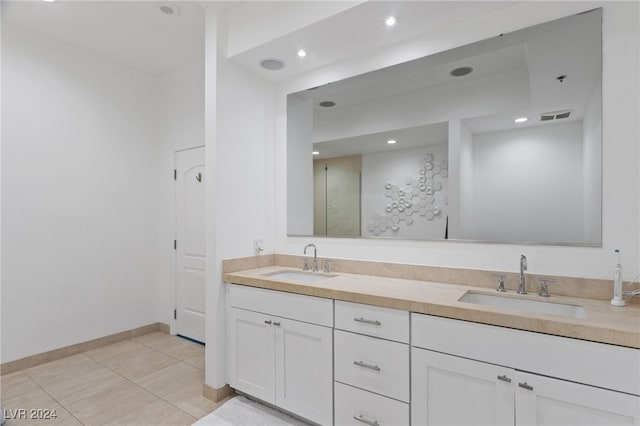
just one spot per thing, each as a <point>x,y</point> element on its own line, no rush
<point>603,323</point>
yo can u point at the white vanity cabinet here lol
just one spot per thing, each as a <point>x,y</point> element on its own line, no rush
<point>472,374</point>
<point>457,391</point>
<point>280,350</point>
<point>372,365</point>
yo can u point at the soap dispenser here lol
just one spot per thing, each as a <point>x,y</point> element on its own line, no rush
<point>617,300</point>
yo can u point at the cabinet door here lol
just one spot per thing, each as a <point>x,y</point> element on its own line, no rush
<point>304,367</point>
<point>545,401</point>
<point>448,390</point>
<point>251,353</point>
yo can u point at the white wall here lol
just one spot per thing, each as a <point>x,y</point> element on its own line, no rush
<point>621,179</point>
<point>464,215</point>
<point>393,167</point>
<point>300,165</point>
<point>544,165</point>
<point>180,125</point>
<point>78,191</point>
<point>591,161</point>
<point>240,158</point>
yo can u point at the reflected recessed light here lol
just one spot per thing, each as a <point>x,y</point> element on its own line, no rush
<point>169,9</point>
<point>327,104</point>
<point>461,71</point>
<point>316,153</point>
<point>272,64</point>
<point>302,53</point>
<point>520,120</point>
<point>392,141</point>
<point>391,21</point>
<point>50,1</point>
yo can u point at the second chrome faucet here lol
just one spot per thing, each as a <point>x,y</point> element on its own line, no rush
<point>521,280</point>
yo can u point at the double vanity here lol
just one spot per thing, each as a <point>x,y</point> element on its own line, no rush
<point>353,349</point>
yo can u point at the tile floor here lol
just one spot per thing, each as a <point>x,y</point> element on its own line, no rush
<point>153,380</point>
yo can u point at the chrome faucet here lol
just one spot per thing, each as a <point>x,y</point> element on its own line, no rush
<point>315,257</point>
<point>523,267</point>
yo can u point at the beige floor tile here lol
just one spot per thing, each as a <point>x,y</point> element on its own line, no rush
<point>196,360</point>
<point>155,340</point>
<point>16,384</point>
<point>158,413</point>
<point>139,364</point>
<point>183,349</point>
<point>36,408</point>
<point>62,370</point>
<point>189,398</point>
<point>117,349</point>
<point>110,404</point>
<point>172,345</point>
<point>83,386</point>
<point>172,379</point>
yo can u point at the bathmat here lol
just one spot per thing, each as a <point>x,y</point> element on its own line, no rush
<point>241,411</point>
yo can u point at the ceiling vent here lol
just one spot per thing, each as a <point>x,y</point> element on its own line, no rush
<point>555,115</point>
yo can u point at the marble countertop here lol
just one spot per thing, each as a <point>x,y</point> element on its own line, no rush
<point>604,323</point>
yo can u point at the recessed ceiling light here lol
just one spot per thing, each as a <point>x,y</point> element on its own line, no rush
<point>391,21</point>
<point>169,9</point>
<point>327,104</point>
<point>302,53</point>
<point>272,64</point>
<point>392,141</point>
<point>461,71</point>
<point>316,153</point>
<point>520,120</point>
<point>50,1</point>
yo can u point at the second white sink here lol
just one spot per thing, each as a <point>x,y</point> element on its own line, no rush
<point>528,305</point>
<point>306,277</point>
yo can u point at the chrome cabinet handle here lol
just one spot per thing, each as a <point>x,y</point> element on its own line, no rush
<point>267,322</point>
<point>504,379</point>
<point>525,386</point>
<point>367,321</point>
<point>365,365</point>
<point>363,419</point>
<point>276,324</point>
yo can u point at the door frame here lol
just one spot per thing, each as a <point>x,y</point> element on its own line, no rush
<point>173,329</point>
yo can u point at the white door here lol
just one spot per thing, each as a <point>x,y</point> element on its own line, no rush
<point>304,369</point>
<point>448,390</point>
<point>251,353</point>
<point>190,244</point>
<point>544,401</point>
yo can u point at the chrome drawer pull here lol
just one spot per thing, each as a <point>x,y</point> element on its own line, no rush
<point>365,365</point>
<point>363,419</point>
<point>525,386</point>
<point>367,321</point>
<point>504,379</point>
<point>267,322</point>
<point>277,324</point>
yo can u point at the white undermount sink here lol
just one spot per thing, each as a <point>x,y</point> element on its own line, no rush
<point>307,277</point>
<point>528,305</point>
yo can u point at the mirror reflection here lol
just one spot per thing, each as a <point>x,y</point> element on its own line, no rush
<point>495,141</point>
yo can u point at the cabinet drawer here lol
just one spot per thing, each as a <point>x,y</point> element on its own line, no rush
<point>376,365</point>
<point>356,407</point>
<point>309,309</point>
<point>553,356</point>
<point>374,321</point>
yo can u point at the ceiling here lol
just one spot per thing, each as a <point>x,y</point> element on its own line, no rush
<point>138,35</point>
<point>531,59</point>
<point>359,30</point>
<point>411,137</point>
<point>133,33</point>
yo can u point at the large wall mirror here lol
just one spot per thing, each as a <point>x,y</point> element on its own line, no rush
<point>497,141</point>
